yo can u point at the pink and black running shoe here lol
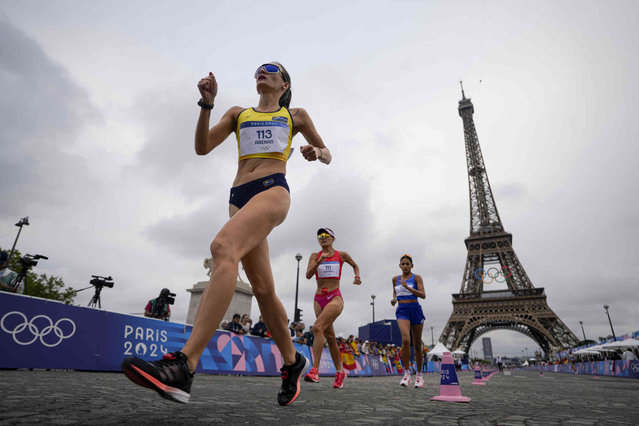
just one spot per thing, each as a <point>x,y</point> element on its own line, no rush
<point>170,376</point>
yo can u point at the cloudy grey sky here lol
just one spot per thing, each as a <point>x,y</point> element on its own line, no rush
<point>98,110</point>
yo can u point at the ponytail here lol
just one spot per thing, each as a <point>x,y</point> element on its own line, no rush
<point>285,99</point>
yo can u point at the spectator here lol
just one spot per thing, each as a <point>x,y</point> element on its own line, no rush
<point>300,327</point>
<point>291,328</point>
<point>299,337</point>
<point>628,355</point>
<point>352,345</point>
<point>7,276</point>
<point>365,349</point>
<point>259,329</point>
<point>309,336</point>
<point>246,323</point>
<point>224,324</point>
<point>159,307</point>
<point>235,325</point>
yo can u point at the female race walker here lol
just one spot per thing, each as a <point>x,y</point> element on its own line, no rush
<point>407,287</point>
<point>327,268</point>
<point>259,201</point>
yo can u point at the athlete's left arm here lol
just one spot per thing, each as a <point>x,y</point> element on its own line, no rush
<point>315,150</point>
<point>348,259</point>
<point>420,292</point>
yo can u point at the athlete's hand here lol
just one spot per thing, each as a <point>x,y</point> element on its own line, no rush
<point>208,88</point>
<point>324,256</point>
<point>357,281</point>
<point>393,301</point>
<point>403,283</point>
<point>310,152</point>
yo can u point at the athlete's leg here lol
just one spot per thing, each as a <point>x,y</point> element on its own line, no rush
<point>246,229</point>
<point>417,345</point>
<point>404,329</point>
<point>318,343</point>
<point>333,348</point>
<point>323,328</point>
<point>258,270</point>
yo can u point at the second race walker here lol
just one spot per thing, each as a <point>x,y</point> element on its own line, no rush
<point>327,268</point>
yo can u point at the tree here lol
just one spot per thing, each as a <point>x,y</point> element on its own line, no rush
<point>42,285</point>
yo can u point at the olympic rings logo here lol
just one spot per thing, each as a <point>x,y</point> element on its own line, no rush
<point>30,327</point>
<point>494,274</point>
<point>635,368</point>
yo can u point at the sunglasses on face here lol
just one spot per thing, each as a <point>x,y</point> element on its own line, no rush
<point>269,68</point>
<point>323,236</point>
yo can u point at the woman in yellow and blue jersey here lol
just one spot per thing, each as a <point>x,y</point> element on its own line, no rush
<point>407,287</point>
<point>259,201</point>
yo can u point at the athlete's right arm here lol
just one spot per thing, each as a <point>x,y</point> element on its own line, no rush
<point>394,299</point>
<point>313,263</point>
<point>207,139</point>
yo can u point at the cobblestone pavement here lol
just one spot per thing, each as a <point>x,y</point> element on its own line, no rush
<point>72,397</point>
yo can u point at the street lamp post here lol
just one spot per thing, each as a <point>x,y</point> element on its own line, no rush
<point>581,323</point>
<point>20,224</point>
<point>611,329</point>
<point>432,337</point>
<point>373,305</point>
<point>296,314</point>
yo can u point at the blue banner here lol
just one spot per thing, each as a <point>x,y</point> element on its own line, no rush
<point>41,333</point>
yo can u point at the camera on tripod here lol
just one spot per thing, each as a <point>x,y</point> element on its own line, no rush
<point>29,260</point>
<point>26,262</point>
<point>98,281</point>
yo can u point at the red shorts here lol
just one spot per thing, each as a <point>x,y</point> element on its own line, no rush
<point>325,298</point>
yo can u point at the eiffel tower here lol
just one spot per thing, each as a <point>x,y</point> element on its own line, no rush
<point>491,258</point>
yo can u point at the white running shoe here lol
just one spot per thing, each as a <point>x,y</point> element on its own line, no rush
<point>405,381</point>
<point>419,382</point>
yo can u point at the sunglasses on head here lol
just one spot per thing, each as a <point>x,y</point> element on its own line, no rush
<point>323,235</point>
<point>269,68</point>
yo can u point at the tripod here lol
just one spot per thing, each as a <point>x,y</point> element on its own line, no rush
<point>96,298</point>
<point>22,276</point>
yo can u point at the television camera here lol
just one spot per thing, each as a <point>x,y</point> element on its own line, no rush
<point>26,262</point>
<point>160,305</point>
<point>98,283</point>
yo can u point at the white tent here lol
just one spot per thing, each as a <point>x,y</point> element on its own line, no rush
<point>438,350</point>
<point>600,348</point>
<point>628,343</point>
<point>586,351</point>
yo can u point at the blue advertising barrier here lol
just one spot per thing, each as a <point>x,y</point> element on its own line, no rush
<point>617,368</point>
<point>41,333</point>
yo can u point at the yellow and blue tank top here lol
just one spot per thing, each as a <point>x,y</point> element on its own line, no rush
<point>264,134</point>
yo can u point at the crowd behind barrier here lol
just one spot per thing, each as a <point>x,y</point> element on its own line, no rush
<point>46,334</point>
